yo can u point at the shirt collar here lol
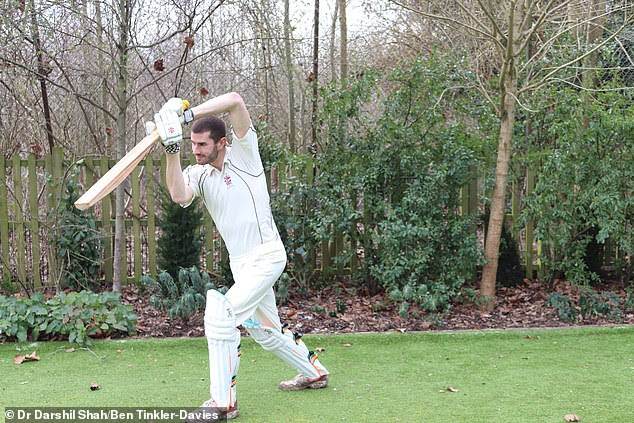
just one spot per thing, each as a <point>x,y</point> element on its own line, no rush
<point>225,161</point>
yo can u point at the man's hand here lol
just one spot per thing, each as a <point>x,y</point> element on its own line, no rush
<point>169,128</point>
<point>180,107</point>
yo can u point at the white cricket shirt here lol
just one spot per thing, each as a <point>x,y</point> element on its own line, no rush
<point>236,197</point>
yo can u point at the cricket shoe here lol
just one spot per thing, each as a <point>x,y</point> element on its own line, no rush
<point>300,382</point>
<point>208,412</point>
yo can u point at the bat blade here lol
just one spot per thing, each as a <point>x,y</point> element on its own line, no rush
<point>117,174</point>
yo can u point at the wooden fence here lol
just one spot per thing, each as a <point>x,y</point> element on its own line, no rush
<point>28,194</point>
<point>32,187</point>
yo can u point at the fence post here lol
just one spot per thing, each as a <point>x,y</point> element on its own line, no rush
<point>530,230</point>
<point>163,170</point>
<point>310,179</point>
<point>353,235</point>
<point>136,224</point>
<point>339,250</point>
<point>516,193</point>
<point>34,226</point>
<point>18,225</point>
<point>150,194</point>
<point>4,225</point>
<point>89,175</point>
<point>473,192</point>
<point>50,202</point>
<point>106,225</point>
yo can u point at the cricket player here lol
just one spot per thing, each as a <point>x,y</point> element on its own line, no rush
<point>230,181</point>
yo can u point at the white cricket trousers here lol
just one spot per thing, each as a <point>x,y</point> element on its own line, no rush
<point>253,303</point>
<point>255,273</point>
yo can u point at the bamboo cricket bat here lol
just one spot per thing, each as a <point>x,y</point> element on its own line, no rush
<point>112,178</point>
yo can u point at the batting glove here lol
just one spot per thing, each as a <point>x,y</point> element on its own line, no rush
<point>169,128</point>
<point>180,107</point>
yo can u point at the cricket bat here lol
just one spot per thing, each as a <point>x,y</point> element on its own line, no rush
<point>117,174</point>
<point>112,178</point>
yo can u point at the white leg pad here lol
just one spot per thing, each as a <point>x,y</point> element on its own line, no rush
<point>223,339</point>
<point>289,347</point>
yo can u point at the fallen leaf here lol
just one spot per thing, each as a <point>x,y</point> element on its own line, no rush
<point>527,337</point>
<point>572,418</point>
<point>204,91</point>
<point>320,349</point>
<point>94,387</point>
<point>347,345</point>
<point>70,350</point>
<point>119,351</point>
<point>189,41</point>
<point>19,359</point>
<point>451,389</point>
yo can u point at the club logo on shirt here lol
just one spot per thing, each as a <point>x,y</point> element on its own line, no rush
<point>228,180</point>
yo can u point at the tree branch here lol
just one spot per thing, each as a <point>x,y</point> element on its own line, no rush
<point>450,20</point>
<point>489,15</point>
<point>546,78</point>
<point>528,34</point>
<point>52,82</point>
<point>562,32</point>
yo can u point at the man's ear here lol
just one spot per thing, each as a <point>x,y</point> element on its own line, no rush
<point>222,142</point>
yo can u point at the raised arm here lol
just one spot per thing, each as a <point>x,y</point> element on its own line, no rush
<point>231,103</point>
<point>169,128</point>
<point>179,191</point>
<point>168,124</point>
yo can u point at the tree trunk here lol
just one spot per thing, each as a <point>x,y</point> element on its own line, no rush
<point>498,202</point>
<point>343,40</point>
<point>103,130</point>
<point>508,96</point>
<point>292,132</point>
<point>333,32</point>
<point>42,72</point>
<point>122,97</point>
<point>315,74</point>
<point>593,33</point>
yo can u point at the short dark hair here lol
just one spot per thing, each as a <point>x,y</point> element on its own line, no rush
<point>215,126</point>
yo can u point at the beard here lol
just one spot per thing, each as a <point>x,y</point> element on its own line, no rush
<point>207,159</point>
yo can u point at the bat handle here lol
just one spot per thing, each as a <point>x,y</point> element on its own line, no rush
<point>187,115</point>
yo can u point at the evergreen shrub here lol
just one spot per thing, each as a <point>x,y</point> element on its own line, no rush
<point>180,242</point>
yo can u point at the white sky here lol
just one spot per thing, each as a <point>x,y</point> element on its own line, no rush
<point>302,16</point>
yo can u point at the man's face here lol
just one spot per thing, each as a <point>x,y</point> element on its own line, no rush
<point>205,149</point>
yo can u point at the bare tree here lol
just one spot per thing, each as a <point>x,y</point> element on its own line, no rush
<point>343,42</point>
<point>314,78</point>
<point>42,71</point>
<point>292,132</point>
<point>333,33</point>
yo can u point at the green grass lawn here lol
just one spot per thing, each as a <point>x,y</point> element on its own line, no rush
<point>501,376</point>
